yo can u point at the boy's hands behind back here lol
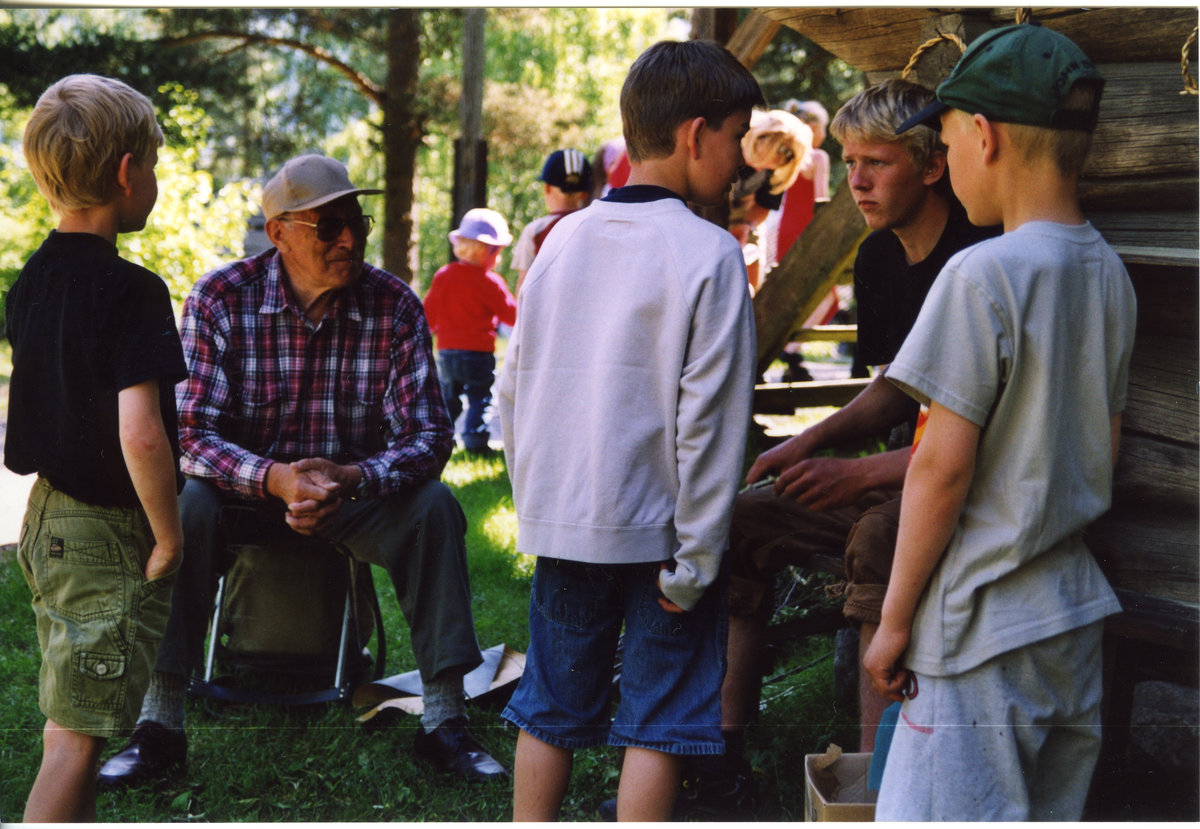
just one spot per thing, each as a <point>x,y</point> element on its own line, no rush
<point>666,603</point>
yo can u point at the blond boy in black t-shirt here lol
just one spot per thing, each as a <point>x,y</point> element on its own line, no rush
<point>91,409</point>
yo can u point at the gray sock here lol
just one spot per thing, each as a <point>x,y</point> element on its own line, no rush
<point>164,701</point>
<point>443,700</point>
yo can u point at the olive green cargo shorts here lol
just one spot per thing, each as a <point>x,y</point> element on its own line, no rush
<point>99,621</point>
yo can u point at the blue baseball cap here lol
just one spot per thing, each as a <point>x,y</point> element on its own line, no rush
<point>568,170</point>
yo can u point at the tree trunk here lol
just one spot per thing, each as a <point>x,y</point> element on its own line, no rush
<point>401,138</point>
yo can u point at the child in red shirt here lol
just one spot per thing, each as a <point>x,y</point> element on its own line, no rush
<point>465,303</point>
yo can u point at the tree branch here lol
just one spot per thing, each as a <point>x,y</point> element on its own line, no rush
<point>373,91</point>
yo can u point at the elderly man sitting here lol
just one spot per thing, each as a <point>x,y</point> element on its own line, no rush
<point>313,398</point>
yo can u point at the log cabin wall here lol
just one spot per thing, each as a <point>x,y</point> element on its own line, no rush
<point>1140,190</point>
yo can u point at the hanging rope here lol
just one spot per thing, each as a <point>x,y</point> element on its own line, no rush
<point>1189,83</point>
<point>929,44</point>
<point>1024,15</point>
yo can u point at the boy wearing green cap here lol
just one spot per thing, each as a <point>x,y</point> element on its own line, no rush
<point>992,622</point>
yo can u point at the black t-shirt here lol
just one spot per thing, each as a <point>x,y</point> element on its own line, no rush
<point>890,292</point>
<point>85,324</point>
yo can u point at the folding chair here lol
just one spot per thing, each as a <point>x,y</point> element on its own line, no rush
<point>301,611</point>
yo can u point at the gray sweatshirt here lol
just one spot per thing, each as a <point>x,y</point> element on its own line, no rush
<point>626,390</point>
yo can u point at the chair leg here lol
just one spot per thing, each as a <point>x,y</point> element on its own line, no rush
<point>214,631</point>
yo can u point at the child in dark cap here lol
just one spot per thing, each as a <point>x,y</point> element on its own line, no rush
<point>568,183</point>
<point>995,608</point>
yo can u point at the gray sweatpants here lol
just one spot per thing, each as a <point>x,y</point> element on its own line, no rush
<point>1016,738</point>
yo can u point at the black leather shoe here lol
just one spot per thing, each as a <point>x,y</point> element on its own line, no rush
<point>153,751</point>
<point>451,748</point>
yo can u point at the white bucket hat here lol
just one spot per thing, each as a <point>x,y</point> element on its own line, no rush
<point>483,225</point>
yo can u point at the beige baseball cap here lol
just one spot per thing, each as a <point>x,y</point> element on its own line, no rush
<point>305,182</point>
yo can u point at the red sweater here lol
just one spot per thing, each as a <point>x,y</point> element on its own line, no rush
<point>464,305</point>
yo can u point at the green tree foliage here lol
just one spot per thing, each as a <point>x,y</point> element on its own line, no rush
<point>194,227</point>
<point>553,80</point>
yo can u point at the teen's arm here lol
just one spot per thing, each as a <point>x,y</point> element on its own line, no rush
<point>826,483</point>
<point>151,466</point>
<point>935,490</point>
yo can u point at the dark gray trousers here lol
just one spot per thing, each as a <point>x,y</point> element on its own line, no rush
<point>417,535</point>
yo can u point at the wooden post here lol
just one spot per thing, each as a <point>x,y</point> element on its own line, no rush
<point>834,231</point>
<point>401,138</point>
<point>470,177</point>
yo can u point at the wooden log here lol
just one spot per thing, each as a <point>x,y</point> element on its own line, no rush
<point>1150,618</point>
<point>826,334</point>
<point>1126,33</point>
<point>1146,127</point>
<point>1168,300</point>
<point>1178,192</point>
<point>834,231</point>
<point>1151,237</point>
<point>1162,389</point>
<point>866,38</point>
<point>882,39</point>
<point>752,38</point>
<point>1148,550</point>
<point>1153,472</point>
<point>785,398</point>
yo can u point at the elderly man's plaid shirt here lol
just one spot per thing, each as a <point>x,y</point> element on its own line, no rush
<point>360,387</point>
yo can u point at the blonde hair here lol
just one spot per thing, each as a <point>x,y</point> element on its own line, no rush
<point>785,144</point>
<point>1068,148</point>
<point>80,129</point>
<point>471,251</point>
<point>872,116</point>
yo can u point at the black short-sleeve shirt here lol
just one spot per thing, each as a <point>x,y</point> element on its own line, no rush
<point>85,324</point>
<point>890,292</point>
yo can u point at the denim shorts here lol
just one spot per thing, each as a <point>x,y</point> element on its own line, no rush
<point>672,665</point>
<point>99,621</point>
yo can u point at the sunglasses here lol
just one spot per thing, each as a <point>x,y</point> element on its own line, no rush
<point>330,227</point>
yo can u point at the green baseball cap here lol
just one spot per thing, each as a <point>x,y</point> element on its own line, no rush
<point>1015,75</point>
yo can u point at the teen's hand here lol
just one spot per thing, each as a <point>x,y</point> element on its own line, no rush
<point>666,603</point>
<point>778,458</point>
<point>882,661</point>
<point>823,483</point>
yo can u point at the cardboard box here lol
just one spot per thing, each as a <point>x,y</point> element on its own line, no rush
<point>838,792</point>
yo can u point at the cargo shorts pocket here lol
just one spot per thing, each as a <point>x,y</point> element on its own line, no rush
<point>99,664</point>
<point>83,578</point>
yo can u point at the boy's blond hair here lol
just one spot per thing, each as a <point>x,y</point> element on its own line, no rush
<point>80,129</point>
<point>471,251</point>
<point>1068,148</point>
<point>676,81</point>
<point>873,115</point>
<point>785,144</point>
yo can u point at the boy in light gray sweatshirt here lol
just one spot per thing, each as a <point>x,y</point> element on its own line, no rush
<point>625,399</point>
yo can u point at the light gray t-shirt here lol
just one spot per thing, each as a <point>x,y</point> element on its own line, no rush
<point>523,251</point>
<point>1027,335</point>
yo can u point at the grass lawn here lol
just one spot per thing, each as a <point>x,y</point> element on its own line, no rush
<point>317,764</point>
